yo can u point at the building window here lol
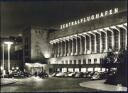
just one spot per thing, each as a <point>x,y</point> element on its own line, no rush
<point>95,61</point>
<point>79,61</point>
<point>101,60</point>
<point>74,61</point>
<point>89,61</point>
<point>83,69</point>
<point>70,69</point>
<point>70,61</point>
<point>90,69</point>
<point>84,61</point>
<point>66,62</point>
<point>62,62</point>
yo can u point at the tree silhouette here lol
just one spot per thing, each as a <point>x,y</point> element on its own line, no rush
<point>109,61</point>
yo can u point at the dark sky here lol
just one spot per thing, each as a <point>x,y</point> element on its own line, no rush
<point>17,15</point>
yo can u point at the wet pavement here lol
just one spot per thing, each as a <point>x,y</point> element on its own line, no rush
<point>52,84</point>
<point>99,84</point>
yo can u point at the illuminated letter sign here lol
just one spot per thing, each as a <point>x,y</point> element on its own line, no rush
<point>106,13</point>
<point>81,20</point>
<point>97,15</point>
<point>88,18</point>
<point>75,22</point>
<point>116,10</point>
<point>92,17</point>
<point>110,12</point>
<point>84,19</point>
<point>61,27</point>
<point>72,23</point>
<point>78,21</point>
<point>101,14</point>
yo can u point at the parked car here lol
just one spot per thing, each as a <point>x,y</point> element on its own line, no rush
<point>71,74</point>
<point>90,74</point>
<point>61,74</point>
<point>96,76</point>
<point>79,75</point>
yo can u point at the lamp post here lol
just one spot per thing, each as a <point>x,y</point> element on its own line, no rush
<point>9,43</point>
<point>3,60</point>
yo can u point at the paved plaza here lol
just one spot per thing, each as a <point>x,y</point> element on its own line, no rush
<point>52,84</point>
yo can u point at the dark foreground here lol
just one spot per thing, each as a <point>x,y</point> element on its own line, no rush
<point>47,85</point>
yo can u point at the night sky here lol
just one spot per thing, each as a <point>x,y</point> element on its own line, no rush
<point>17,15</point>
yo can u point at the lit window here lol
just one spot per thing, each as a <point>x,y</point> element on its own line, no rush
<point>97,69</point>
<point>70,69</point>
<point>83,69</point>
<point>90,69</point>
<point>76,69</point>
<point>103,69</point>
<point>95,61</point>
<point>64,69</point>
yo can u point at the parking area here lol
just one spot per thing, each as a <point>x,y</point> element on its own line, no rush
<point>49,84</point>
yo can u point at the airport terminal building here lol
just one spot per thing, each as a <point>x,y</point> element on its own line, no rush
<point>82,44</point>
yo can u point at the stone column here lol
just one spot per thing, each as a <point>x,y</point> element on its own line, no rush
<point>61,47</point>
<point>90,44</point>
<point>126,35</point>
<point>113,43</point>
<point>125,28</point>
<point>53,52</point>
<point>72,46</point>
<point>65,48</point>
<point>55,49</point>
<point>58,49</point>
<point>117,29</point>
<point>68,46</point>
<point>85,45</point>
<point>106,40</point>
<point>95,48</point>
<point>76,46</point>
<point>81,47</point>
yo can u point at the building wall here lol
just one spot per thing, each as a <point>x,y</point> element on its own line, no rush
<point>39,43</point>
<point>83,46</point>
<point>36,45</point>
<point>91,25</point>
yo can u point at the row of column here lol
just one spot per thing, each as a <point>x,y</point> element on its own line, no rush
<point>97,41</point>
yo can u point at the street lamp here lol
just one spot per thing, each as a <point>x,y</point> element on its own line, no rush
<point>9,43</point>
<point>3,61</point>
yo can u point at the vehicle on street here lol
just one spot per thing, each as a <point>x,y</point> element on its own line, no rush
<point>96,76</point>
<point>79,75</point>
<point>71,74</point>
<point>61,74</point>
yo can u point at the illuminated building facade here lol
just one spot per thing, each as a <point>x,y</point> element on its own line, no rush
<point>36,48</point>
<point>82,44</point>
